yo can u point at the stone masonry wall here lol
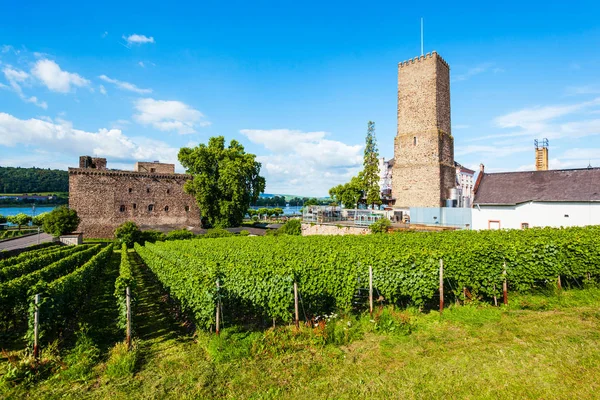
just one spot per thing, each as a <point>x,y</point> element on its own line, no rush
<point>317,229</point>
<point>154,167</point>
<point>105,199</point>
<point>423,147</point>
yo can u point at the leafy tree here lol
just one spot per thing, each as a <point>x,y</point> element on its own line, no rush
<point>225,180</point>
<point>251,212</point>
<point>3,219</point>
<point>262,212</point>
<point>128,233</point>
<point>292,227</point>
<point>60,221</point>
<point>277,211</point>
<point>19,219</point>
<point>380,226</point>
<point>348,194</point>
<point>270,212</point>
<point>371,168</point>
<point>311,202</point>
<point>38,220</point>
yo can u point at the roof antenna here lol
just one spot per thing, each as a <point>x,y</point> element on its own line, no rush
<point>590,164</point>
<point>421,36</point>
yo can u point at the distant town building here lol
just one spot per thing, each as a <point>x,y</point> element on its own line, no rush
<point>385,180</point>
<point>152,196</point>
<point>465,182</point>
<point>519,200</point>
<point>423,171</point>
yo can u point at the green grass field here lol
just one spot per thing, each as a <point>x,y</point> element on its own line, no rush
<point>540,346</point>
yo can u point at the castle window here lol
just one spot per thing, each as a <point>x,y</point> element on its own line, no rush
<point>151,207</point>
<point>130,190</point>
<point>187,208</point>
<point>168,191</point>
<point>152,169</point>
<point>147,190</point>
<point>167,208</point>
<point>415,141</point>
<point>122,208</point>
<point>134,206</point>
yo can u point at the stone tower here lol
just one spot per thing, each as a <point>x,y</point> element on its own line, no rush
<point>423,148</point>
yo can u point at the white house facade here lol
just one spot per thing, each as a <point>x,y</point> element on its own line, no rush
<point>520,200</point>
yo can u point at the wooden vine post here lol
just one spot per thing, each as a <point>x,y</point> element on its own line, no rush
<point>296,304</point>
<point>36,327</point>
<point>441,285</point>
<point>128,304</point>
<point>218,311</point>
<point>371,290</point>
<point>505,286</point>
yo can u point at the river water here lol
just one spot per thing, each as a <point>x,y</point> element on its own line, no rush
<point>6,211</point>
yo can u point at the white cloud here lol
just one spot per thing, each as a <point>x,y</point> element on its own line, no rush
<point>138,39</point>
<point>304,162</point>
<point>61,137</point>
<point>102,89</point>
<point>105,34</point>
<point>8,48</point>
<point>55,79</point>
<point>16,78</point>
<point>582,90</point>
<point>168,115</point>
<point>478,69</point>
<point>141,64</point>
<point>125,85</point>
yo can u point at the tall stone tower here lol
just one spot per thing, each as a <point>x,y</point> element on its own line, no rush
<point>424,148</point>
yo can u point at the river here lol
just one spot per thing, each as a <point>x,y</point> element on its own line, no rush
<point>6,211</point>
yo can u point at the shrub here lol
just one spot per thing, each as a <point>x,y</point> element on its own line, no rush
<point>128,233</point>
<point>180,234</point>
<point>292,227</point>
<point>151,236</point>
<point>380,226</point>
<point>244,233</point>
<point>60,221</point>
<point>216,233</point>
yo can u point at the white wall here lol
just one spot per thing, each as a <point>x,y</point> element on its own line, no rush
<point>537,214</point>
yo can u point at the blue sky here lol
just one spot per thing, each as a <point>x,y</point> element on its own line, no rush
<point>296,82</point>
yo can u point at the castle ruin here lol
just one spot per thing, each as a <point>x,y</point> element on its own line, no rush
<point>152,196</point>
<point>423,171</point>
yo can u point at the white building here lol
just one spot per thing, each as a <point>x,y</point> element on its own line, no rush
<point>465,182</point>
<point>519,200</point>
<point>385,178</point>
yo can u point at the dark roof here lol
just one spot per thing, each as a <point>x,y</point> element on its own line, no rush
<point>572,185</point>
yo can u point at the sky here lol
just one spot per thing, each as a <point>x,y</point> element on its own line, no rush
<point>294,82</point>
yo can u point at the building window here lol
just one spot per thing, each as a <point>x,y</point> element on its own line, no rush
<point>151,207</point>
<point>152,169</point>
<point>524,225</point>
<point>566,215</point>
<point>130,190</point>
<point>134,206</point>
<point>414,141</point>
<point>147,190</point>
<point>187,208</point>
<point>122,208</point>
<point>166,208</point>
<point>168,191</point>
<point>493,224</point>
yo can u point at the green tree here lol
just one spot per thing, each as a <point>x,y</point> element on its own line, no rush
<point>348,194</point>
<point>262,212</point>
<point>371,168</point>
<point>292,227</point>
<point>38,220</point>
<point>3,219</point>
<point>19,219</point>
<point>226,180</point>
<point>277,211</point>
<point>61,220</point>
<point>128,233</point>
<point>311,202</point>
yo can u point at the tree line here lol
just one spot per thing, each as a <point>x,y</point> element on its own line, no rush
<point>33,180</point>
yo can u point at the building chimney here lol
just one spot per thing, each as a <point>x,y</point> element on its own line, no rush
<point>481,167</point>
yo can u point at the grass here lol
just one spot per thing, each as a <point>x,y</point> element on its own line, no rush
<point>545,345</point>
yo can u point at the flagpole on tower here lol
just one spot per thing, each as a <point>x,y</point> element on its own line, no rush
<point>422,36</point>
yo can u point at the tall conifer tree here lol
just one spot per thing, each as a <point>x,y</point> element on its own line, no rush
<point>371,168</point>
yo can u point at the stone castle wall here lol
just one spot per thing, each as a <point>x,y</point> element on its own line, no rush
<point>423,169</point>
<point>104,199</point>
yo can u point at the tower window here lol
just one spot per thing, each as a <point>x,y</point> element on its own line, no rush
<point>414,141</point>
<point>151,207</point>
<point>168,191</point>
<point>187,208</point>
<point>147,190</point>
<point>122,208</point>
<point>152,169</point>
<point>130,190</point>
<point>166,208</point>
<point>134,206</point>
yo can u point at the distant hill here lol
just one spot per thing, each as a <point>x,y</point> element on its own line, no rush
<point>33,180</point>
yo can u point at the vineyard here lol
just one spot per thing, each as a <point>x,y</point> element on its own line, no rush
<point>254,278</point>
